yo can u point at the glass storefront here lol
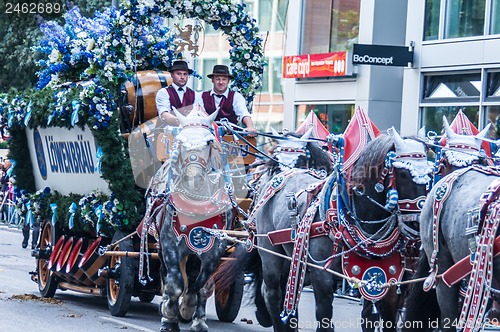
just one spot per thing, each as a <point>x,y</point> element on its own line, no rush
<point>335,117</point>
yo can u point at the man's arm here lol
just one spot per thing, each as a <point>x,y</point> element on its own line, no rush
<point>240,109</point>
<point>163,107</point>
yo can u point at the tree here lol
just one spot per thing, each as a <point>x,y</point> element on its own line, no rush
<point>19,33</point>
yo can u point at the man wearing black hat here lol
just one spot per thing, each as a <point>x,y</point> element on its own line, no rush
<point>177,95</point>
<point>231,104</point>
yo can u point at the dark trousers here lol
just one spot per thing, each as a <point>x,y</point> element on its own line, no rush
<point>26,234</point>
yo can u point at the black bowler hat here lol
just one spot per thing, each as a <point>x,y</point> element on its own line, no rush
<point>221,70</point>
<point>180,65</point>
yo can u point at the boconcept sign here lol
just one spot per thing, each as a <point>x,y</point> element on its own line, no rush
<point>381,55</point>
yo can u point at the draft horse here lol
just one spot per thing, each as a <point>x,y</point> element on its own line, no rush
<point>449,218</point>
<point>190,195</point>
<point>373,218</point>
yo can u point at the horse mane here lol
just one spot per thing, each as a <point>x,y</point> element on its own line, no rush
<point>319,160</point>
<point>367,169</point>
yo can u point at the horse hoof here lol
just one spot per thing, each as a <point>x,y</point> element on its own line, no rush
<point>169,327</point>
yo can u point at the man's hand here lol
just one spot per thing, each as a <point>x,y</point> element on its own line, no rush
<point>252,132</point>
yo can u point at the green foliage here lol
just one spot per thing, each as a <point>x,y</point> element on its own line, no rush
<point>18,151</point>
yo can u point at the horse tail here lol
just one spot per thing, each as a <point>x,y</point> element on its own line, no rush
<point>422,309</point>
<point>239,262</point>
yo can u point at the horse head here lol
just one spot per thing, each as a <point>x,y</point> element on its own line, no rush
<point>298,152</point>
<point>393,172</point>
<point>460,150</point>
<point>196,160</point>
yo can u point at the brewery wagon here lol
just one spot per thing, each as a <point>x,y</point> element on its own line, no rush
<point>91,243</point>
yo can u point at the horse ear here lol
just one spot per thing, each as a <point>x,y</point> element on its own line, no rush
<point>398,141</point>
<point>182,118</point>
<point>307,134</point>
<point>421,133</point>
<point>484,132</point>
<point>275,133</point>
<point>447,129</point>
<point>212,116</point>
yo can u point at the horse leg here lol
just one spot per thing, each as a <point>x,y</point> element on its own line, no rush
<point>173,284</point>
<point>195,299</point>
<point>323,286</point>
<point>388,308</point>
<point>448,303</point>
<point>272,290</point>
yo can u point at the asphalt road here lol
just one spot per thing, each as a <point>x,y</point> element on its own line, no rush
<point>22,308</point>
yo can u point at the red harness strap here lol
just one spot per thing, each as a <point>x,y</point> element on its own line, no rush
<point>478,290</point>
<point>442,194</point>
<point>298,266</point>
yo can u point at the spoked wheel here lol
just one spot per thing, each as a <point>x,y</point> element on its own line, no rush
<point>228,305</point>
<point>47,281</point>
<point>120,284</point>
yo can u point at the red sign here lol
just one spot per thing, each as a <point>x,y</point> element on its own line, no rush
<point>315,65</point>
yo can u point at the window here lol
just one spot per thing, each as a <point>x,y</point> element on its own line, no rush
<point>334,117</point>
<point>463,86</point>
<point>462,18</point>
<point>272,73</point>
<point>329,25</point>
<point>448,94</point>
<point>465,18</point>
<point>432,9</point>
<point>267,15</point>
<point>495,17</point>
<point>493,111</point>
<point>433,116</point>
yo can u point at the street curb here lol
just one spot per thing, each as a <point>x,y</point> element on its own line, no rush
<point>8,228</point>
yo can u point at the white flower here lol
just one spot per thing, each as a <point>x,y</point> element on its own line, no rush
<point>54,56</point>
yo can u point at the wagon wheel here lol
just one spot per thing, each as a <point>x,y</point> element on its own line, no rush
<point>228,305</point>
<point>120,284</point>
<point>47,281</point>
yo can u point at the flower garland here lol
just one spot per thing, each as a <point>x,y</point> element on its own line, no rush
<point>246,53</point>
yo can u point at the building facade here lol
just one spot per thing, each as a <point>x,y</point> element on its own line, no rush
<point>455,64</point>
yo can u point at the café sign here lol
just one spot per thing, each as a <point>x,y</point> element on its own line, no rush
<point>315,65</point>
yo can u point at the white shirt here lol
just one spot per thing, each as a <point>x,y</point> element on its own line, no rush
<point>239,102</point>
<point>163,98</point>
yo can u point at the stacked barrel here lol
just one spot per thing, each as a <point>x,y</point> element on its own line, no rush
<point>77,260</point>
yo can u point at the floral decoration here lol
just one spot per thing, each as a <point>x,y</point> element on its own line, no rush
<point>85,61</point>
<point>41,204</point>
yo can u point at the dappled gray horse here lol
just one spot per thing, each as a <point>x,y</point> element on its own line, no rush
<point>299,188</point>
<point>191,193</point>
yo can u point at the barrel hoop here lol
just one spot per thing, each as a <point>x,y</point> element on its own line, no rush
<point>139,98</point>
<point>163,78</point>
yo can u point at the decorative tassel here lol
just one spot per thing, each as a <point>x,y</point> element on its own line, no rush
<point>53,207</point>
<point>30,220</point>
<point>392,199</point>
<point>72,210</point>
<point>74,116</point>
<point>99,155</point>
<point>28,114</point>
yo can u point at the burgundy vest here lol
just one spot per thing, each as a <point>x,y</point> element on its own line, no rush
<point>226,106</point>
<point>187,101</point>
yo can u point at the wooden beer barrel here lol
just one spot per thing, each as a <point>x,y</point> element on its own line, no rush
<point>141,94</point>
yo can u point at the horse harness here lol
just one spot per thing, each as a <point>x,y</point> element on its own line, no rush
<point>482,226</point>
<point>442,194</point>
